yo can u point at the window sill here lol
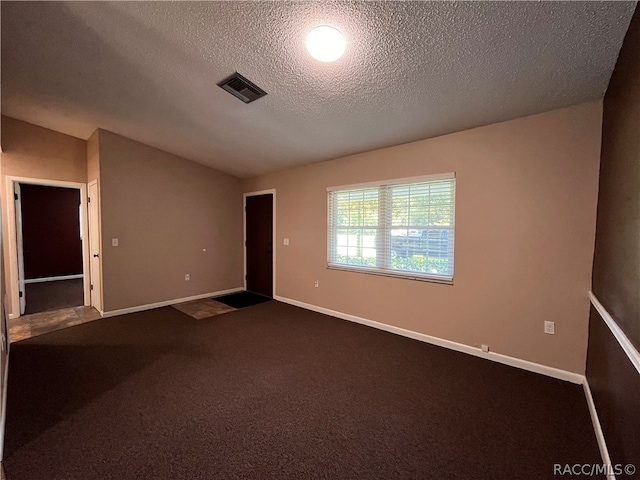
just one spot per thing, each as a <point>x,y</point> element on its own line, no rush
<point>384,273</point>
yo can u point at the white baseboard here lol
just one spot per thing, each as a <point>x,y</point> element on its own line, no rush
<point>602,445</point>
<point>459,347</point>
<point>141,308</point>
<point>54,279</point>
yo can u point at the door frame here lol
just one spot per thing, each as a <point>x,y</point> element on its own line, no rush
<point>98,225</point>
<point>271,191</point>
<point>17,205</point>
<point>11,231</point>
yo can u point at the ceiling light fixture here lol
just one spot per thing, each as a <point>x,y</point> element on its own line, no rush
<point>326,43</point>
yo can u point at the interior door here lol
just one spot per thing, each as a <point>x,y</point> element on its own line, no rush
<point>20,248</point>
<point>259,243</point>
<point>94,246</point>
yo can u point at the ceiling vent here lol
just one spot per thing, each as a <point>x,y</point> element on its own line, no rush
<point>240,87</point>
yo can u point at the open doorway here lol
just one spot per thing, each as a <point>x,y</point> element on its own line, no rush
<point>48,246</point>
<point>259,233</point>
<point>51,253</point>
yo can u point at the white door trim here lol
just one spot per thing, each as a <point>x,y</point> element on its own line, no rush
<point>14,301</point>
<point>244,233</point>
<point>17,206</point>
<point>100,288</point>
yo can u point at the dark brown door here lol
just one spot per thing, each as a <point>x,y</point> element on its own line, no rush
<point>259,228</point>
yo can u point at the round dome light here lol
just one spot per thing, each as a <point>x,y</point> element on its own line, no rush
<point>326,43</point>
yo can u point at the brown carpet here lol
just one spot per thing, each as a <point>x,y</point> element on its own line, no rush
<point>48,296</point>
<point>274,391</point>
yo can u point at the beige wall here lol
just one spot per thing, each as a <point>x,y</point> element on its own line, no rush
<point>36,152</point>
<point>165,211</point>
<point>525,212</point>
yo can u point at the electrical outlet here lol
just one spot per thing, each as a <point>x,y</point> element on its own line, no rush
<point>550,328</point>
<point>285,241</point>
<point>187,277</point>
<point>485,348</point>
<point>114,242</point>
<point>317,283</point>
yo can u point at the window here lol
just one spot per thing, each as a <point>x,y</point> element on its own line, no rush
<point>401,228</point>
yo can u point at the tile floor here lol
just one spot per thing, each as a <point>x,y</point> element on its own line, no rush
<point>28,326</point>
<point>203,308</point>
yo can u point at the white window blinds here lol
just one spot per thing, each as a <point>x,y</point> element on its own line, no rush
<point>399,228</point>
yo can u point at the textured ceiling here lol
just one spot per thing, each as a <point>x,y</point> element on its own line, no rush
<point>412,70</point>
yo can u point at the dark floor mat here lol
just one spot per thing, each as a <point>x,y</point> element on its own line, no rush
<point>242,299</point>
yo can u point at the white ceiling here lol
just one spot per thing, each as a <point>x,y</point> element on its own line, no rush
<point>412,70</point>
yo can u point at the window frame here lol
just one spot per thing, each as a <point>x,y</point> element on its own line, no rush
<point>382,242</point>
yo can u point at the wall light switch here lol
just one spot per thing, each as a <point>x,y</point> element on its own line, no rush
<point>286,241</point>
<point>114,242</point>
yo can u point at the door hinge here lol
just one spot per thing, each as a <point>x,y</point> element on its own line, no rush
<point>245,277</point>
<point>88,199</point>
<point>15,196</point>
<point>20,294</point>
<point>245,243</point>
<point>90,287</point>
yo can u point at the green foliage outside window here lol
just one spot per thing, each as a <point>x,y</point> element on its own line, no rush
<point>415,263</point>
